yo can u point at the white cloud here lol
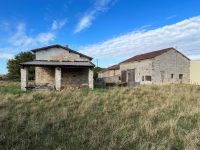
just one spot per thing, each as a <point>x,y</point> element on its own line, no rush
<point>6,56</point>
<point>58,24</point>
<point>89,16</point>
<point>4,25</point>
<point>184,35</point>
<point>171,17</point>
<point>21,38</point>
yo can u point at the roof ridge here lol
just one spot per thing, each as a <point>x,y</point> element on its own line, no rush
<point>60,46</point>
<point>113,67</point>
<point>148,55</point>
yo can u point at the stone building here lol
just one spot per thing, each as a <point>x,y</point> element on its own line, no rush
<point>195,72</point>
<point>59,67</point>
<point>110,74</point>
<point>157,67</point>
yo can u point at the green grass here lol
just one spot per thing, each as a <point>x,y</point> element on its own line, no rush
<point>146,117</point>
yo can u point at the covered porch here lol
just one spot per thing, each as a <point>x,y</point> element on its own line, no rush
<point>57,75</point>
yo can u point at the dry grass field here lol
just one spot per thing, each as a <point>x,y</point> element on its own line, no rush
<point>146,117</point>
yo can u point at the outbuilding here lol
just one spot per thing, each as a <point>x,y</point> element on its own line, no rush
<point>157,67</point>
<point>59,67</point>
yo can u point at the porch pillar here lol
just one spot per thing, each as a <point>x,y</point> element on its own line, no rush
<point>58,78</point>
<point>90,79</point>
<point>24,78</point>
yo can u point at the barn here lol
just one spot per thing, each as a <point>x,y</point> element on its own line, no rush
<point>158,67</point>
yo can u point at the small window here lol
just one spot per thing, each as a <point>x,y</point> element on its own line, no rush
<point>142,78</point>
<point>180,76</point>
<point>148,78</point>
<point>172,76</point>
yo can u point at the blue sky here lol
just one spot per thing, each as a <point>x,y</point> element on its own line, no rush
<point>108,30</point>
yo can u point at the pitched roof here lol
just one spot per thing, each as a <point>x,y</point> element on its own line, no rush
<point>114,67</point>
<point>151,55</point>
<point>58,63</point>
<point>60,46</point>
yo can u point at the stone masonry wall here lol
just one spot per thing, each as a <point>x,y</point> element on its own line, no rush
<point>59,54</point>
<point>142,68</point>
<point>169,63</point>
<point>109,73</point>
<point>161,68</point>
<point>44,75</point>
<point>72,77</point>
<point>110,76</point>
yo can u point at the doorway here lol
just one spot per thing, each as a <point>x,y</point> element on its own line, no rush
<point>131,77</point>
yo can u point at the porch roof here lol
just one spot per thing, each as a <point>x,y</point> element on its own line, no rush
<point>58,63</point>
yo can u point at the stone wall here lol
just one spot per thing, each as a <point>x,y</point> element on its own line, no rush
<point>109,73</point>
<point>72,77</point>
<point>170,63</point>
<point>59,54</point>
<point>113,79</point>
<point>142,68</point>
<point>161,69</point>
<point>45,75</point>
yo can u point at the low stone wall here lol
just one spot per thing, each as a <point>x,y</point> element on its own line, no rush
<point>113,79</point>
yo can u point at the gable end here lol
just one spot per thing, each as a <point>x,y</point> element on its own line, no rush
<point>62,47</point>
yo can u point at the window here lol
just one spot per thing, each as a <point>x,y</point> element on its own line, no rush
<point>142,78</point>
<point>172,76</point>
<point>180,76</point>
<point>147,78</point>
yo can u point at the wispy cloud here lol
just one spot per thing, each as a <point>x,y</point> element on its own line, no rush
<point>184,35</point>
<point>171,17</point>
<point>89,16</point>
<point>22,39</point>
<point>58,24</point>
<point>4,25</point>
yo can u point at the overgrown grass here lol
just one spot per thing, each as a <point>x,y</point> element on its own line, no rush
<point>147,117</point>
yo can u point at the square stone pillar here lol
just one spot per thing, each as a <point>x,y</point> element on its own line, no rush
<point>90,79</point>
<point>24,78</point>
<point>58,80</point>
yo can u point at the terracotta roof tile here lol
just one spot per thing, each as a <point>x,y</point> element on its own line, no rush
<point>145,56</point>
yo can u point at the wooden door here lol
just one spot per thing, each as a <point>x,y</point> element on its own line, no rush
<point>123,77</point>
<point>131,77</point>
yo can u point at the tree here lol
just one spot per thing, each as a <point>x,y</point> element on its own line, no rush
<point>96,71</point>
<point>13,65</point>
